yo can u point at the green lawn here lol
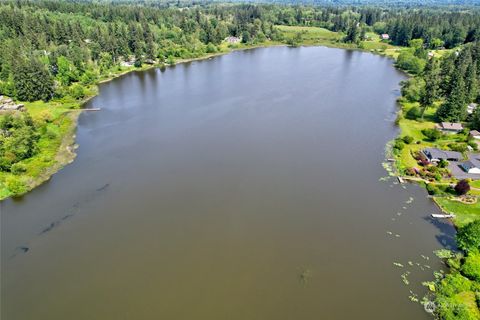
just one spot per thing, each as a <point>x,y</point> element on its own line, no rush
<point>465,213</point>
<point>311,35</point>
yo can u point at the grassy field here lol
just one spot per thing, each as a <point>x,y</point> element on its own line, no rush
<point>311,35</point>
<point>324,37</point>
<point>465,213</point>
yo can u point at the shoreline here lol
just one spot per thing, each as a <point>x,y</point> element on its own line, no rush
<point>66,153</point>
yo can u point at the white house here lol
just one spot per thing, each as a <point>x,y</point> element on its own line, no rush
<point>384,36</point>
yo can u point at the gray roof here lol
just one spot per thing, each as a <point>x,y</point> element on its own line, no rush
<point>474,133</point>
<point>467,165</point>
<point>434,153</point>
<point>451,126</point>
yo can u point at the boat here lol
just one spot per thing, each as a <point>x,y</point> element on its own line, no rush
<point>442,216</point>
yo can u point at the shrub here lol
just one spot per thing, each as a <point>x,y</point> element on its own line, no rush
<point>473,144</point>
<point>432,134</point>
<point>471,266</point>
<point>88,77</point>
<point>432,189</point>
<point>468,237</point>
<point>453,284</point>
<point>412,89</point>
<point>77,91</point>
<point>462,187</point>
<point>407,139</point>
<point>443,163</point>
<point>413,113</point>
<point>18,168</point>
<point>45,115</point>
<point>399,144</point>
<point>459,147</point>
<point>15,186</point>
<point>409,62</point>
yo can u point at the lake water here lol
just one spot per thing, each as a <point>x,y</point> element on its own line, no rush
<point>247,186</point>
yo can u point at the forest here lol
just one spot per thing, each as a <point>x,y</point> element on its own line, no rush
<point>54,52</point>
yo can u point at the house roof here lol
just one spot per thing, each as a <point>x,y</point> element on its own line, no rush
<point>434,153</point>
<point>451,126</point>
<point>467,165</point>
<point>474,133</point>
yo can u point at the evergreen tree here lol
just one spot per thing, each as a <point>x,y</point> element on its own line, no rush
<point>454,108</point>
<point>430,92</point>
<point>32,80</point>
<point>352,34</point>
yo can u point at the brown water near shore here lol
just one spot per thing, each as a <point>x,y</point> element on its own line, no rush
<point>241,187</point>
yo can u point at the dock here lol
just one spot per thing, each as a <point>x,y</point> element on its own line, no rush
<point>442,216</point>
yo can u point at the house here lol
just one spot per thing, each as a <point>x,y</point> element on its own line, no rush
<point>471,107</point>
<point>232,40</point>
<point>436,155</point>
<point>469,167</point>
<point>451,127</point>
<point>7,104</point>
<point>384,36</point>
<point>474,134</point>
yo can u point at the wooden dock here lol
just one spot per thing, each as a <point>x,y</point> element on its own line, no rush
<point>442,216</point>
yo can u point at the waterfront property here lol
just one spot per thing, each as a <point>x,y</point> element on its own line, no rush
<point>470,167</point>
<point>436,155</point>
<point>232,40</point>
<point>474,134</point>
<point>450,127</point>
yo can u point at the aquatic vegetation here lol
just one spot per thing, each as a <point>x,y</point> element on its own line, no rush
<point>305,276</point>
<point>404,277</point>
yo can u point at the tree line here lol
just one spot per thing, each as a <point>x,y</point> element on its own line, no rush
<point>49,44</point>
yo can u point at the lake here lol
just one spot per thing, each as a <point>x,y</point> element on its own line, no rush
<point>247,186</point>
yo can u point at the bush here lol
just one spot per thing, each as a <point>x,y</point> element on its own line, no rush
<point>15,186</point>
<point>473,144</point>
<point>453,284</point>
<point>468,237</point>
<point>399,144</point>
<point>413,113</point>
<point>462,187</point>
<point>443,163</point>
<point>432,189</point>
<point>412,89</point>
<point>409,62</point>
<point>89,77</point>
<point>459,147</point>
<point>77,91</point>
<point>407,139</point>
<point>471,267</point>
<point>18,168</point>
<point>432,134</point>
<point>45,116</point>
